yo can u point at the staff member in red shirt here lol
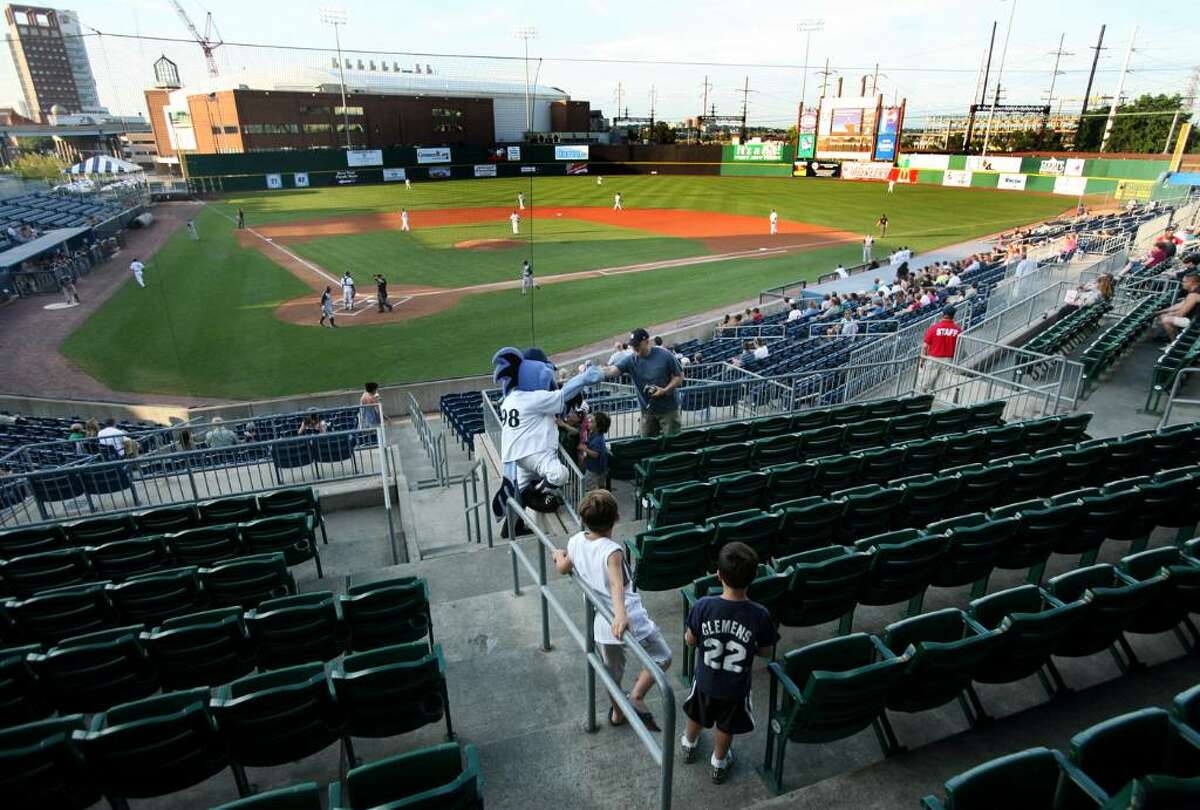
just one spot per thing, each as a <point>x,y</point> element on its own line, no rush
<point>941,339</point>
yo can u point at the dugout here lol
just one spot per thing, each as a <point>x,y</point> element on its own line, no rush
<point>18,279</point>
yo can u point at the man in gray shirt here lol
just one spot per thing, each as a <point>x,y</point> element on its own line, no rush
<point>656,374</point>
<point>220,436</point>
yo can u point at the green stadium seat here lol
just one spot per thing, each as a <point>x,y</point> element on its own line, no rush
<point>21,700</point>
<point>669,557</point>
<point>292,500</point>
<point>305,796</point>
<point>868,510</point>
<point>31,540</point>
<point>1072,428</point>
<point>902,567</point>
<point>845,414</point>
<point>1172,604</point>
<point>1040,524</point>
<point>1090,527</point>
<point>821,441</point>
<point>1036,778</point>
<point>880,465</point>
<point>919,403</point>
<point>296,630</point>
<point>155,746</point>
<point>205,545</point>
<point>1186,707</point>
<point>808,523</point>
<point>881,409</point>
<point>1155,790</point>
<point>387,612</point>
<point>979,487</point>
<point>837,472</point>
<point>1176,445</point>
<point>1147,741</point>
<point>868,433</point>
<point>1129,519</point>
<point>625,454</point>
<point>963,448</point>
<point>1030,476</point>
<point>246,581</point>
<point>728,433</point>
<point>753,527</point>
<point>924,456</point>
<point>125,558</point>
<point>1079,467</point>
<point>292,535</point>
<point>685,440</point>
<point>951,420</point>
<point>155,597</point>
<point>925,498</point>
<point>1129,455</point>
<point>276,718</point>
<point>810,420</point>
<point>974,543</point>
<point>1040,433</point>
<point>441,776</point>
<point>823,585</point>
<point>228,510</point>
<point>167,519</point>
<point>786,482</point>
<point>31,573</point>
<point>771,450</point>
<point>201,649</point>
<point>986,414</point>
<point>1174,502</point>
<point>671,468</point>
<point>97,530</point>
<point>770,426</point>
<point>41,767</point>
<point>1004,440</point>
<point>89,673</point>
<point>828,691</point>
<point>942,651</point>
<point>61,613</point>
<point>391,691</point>
<point>689,502</point>
<point>738,491</point>
<point>1031,628</point>
<point>722,459</point>
<point>908,427</point>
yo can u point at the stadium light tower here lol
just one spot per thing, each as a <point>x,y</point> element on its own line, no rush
<point>987,134</point>
<point>337,18</point>
<point>526,33</point>
<point>807,27</point>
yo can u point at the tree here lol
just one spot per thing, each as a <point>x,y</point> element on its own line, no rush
<point>791,134</point>
<point>37,167</point>
<point>1132,132</point>
<point>663,133</point>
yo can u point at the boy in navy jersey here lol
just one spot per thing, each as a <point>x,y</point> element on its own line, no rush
<point>727,631</point>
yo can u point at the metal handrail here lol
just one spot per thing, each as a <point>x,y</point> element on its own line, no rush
<point>1173,399</point>
<point>472,505</point>
<point>663,753</point>
<point>434,444</point>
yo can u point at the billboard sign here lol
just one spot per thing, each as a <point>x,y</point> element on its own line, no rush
<point>771,152</point>
<point>577,168</point>
<point>1011,182</point>
<point>485,170</point>
<point>439,172</point>
<point>393,175</point>
<point>345,177</point>
<point>977,163</point>
<point>1070,186</point>
<point>816,168</point>
<point>866,171</point>
<point>846,128</point>
<point>439,154</point>
<point>274,181</point>
<point>1134,189</point>
<point>885,147</point>
<point>956,177</point>
<point>514,153</point>
<point>529,170</point>
<point>573,152</point>
<point>889,124</point>
<point>1073,167</point>
<point>925,162</point>
<point>806,144</point>
<point>300,179</point>
<point>1052,166</point>
<point>846,122</point>
<point>364,157</point>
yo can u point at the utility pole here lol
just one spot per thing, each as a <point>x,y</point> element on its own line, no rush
<point>653,97</point>
<point>987,69</point>
<point>987,133</point>
<point>1058,54</point>
<point>337,18</point>
<point>807,27</point>
<point>1087,94</point>
<point>1112,109</point>
<point>620,95</point>
<point>745,106</point>
<point>1171,133</point>
<point>526,33</point>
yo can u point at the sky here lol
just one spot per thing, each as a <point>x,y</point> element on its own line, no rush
<point>928,51</point>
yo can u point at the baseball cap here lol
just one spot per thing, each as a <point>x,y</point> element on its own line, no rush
<point>949,312</point>
<point>637,336</point>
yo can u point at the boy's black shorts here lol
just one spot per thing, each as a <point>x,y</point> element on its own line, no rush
<point>730,716</point>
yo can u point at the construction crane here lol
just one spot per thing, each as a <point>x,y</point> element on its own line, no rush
<point>206,41</point>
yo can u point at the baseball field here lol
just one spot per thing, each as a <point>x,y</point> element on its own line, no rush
<point>235,314</point>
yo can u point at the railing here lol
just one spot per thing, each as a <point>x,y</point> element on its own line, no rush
<point>1174,399</point>
<point>1147,231</point>
<point>1004,323</point>
<point>60,452</point>
<point>958,386</point>
<point>1020,366</point>
<point>434,443</point>
<point>662,752</point>
<point>473,507</point>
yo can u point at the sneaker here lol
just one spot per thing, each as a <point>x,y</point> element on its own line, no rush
<point>689,751</point>
<point>719,775</point>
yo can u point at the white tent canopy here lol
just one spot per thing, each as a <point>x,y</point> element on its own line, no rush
<point>103,164</point>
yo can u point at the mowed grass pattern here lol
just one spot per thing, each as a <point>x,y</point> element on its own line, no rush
<point>205,324</point>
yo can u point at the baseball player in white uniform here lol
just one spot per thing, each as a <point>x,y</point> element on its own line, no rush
<point>515,219</point>
<point>527,282</point>
<point>404,220</point>
<point>521,200</point>
<point>600,180</point>
<point>137,268</point>
<point>774,222</point>
<point>891,186</point>
<point>868,246</point>
<point>617,202</point>
<point>347,291</point>
<point>407,183</point>
<point>192,232</point>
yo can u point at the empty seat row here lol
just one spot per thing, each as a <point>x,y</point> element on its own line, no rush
<point>1111,344</point>
<point>1068,331</point>
<point>91,671</point>
<point>1183,352</point>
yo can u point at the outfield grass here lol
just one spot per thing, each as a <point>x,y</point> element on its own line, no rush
<point>205,323</point>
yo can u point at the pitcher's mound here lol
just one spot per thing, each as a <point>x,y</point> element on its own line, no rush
<point>487,244</point>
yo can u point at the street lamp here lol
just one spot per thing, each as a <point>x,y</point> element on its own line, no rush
<point>526,33</point>
<point>987,134</point>
<point>337,17</point>
<point>807,27</point>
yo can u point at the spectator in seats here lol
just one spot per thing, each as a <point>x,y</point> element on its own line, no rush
<point>620,350</point>
<point>220,436</point>
<point>658,341</point>
<point>1158,255</point>
<point>941,341</point>
<point>132,448</point>
<point>849,326</point>
<point>725,324</point>
<point>737,322</point>
<point>91,428</point>
<point>826,302</point>
<point>731,629</point>
<point>1026,265</point>
<point>599,564</point>
<point>1070,245</point>
<point>841,271</point>
<point>249,433</point>
<point>595,452</point>
<point>312,423</point>
<point>76,433</point>
<point>902,273</point>
<point>756,316</point>
<point>683,359</point>
<point>1095,291</point>
<point>1179,315</point>
<point>184,441</point>
<point>656,374</point>
<point>955,280</point>
<point>112,438</point>
<point>813,311</point>
<point>760,350</point>
<point>369,405</point>
<point>795,313</point>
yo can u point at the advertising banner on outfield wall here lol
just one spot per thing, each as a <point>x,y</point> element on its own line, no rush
<point>346,178</point>
<point>1011,182</point>
<point>769,152</point>
<point>577,168</point>
<point>866,171</point>
<point>364,157</point>
<point>1070,186</point>
<point>1052,166</point>
<point>925,161</point>
<point>439,173</point>
<point>485,170</point>
<point>1134,189</point>
<point>806,144</point>
<point>816,168</point>
<point>274,181</point>
<point>514,153</point>
<point>300,179</point>
<point>440,154</point>
<point>977,163</point>
<point>572,152</point>
<point>394,175</point>
<point>956,177</point>
<point>1073,167</point>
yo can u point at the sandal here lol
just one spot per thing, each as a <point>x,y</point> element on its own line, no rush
<point>645,716</point>
<point>612,721</point>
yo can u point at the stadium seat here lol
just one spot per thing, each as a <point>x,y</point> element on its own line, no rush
<point>60,613</point>
<point>729,433</point>
<point>288,455</point>
<point>924,499</point>
<point>40,766</point>
<point>1090,527</point>
<point>721,460</point>
<point>1147,741</point>
<point>868,433</point>
<point>228,510</point>
<point>979,486</point>
<point>335,449</point>
<point>205,545</point>
<point>201,649</point>
<point>753,527</point>
<point>444,775</point>
<point>1031,627</point>
<point>963,448</point>
<point>54,487</point>
<point>1156,790</point>
<point>1171,604</point>
<point>305,796</point>
<point>293,535</point>
<point>1129,519</point>
<point>1079,467</point>
<point>97,530</point>
<point>1040,433</point>
<point>985,414</point>
<point>924,456</point>
<point>907,427</point>
<point>31,540</point>
<point>738,491</point>
<point>823,585</point>
<point>625,454</point>
<point>27,575</point>
<point>810,420</point>
<point>674,468</point>
<point>1040,524</point>
<point>868,510</point>
<point>689,502</point>
<point>828,691</point>
<point>293,630</point>
<point>167,519</point>
<point>291,501</point>
<point>20,699</point>
<point>786,482</point>
<point>276,718</point>
<point>1186,707</point>
<point>155,746</point>
<point>837,472</point>
<point>808,523</point>
<point>821,441</point>
<point>391,611</point>
<point>390,691</point>
<point>685,440</point>
<point>881,464</point>
<point>89,673</point>
<point>1029,476</point>
<point>1004,440</point>
<point>770,450</point>
<point>125,558</point>
<point>770,426</point>
<point>973,544</point>
<point>901,568</point>
<point>952,420</point>
<point>152,598</point>
<point>669,557</point>
<point>1174,502</point>
<point>246,581</point>
<point>1033,779</point>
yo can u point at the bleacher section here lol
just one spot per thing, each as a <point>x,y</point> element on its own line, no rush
<point>1112,344</point>
<point>44,211</point>
<point>1183,352</point>
<point>28,430</point>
